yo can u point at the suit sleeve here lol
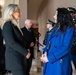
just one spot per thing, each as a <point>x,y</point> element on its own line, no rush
<point>33,35</point>
<point>65,48</point>
<point>9,38</point>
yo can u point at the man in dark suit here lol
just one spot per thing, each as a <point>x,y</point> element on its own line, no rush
<point>30,42</point>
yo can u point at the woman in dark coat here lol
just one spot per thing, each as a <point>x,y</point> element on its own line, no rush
<point>56,57</point>
<point>16,53</point>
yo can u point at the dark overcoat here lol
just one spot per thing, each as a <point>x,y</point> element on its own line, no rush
<point>15,54</point>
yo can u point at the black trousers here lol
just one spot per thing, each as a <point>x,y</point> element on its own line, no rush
<point>29,64</point>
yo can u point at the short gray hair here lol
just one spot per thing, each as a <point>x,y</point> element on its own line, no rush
<point>10,9</point>
<point>26,21</point>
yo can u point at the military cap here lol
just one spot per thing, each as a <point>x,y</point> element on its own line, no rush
<point>50,22</point>
<point>71,10</point>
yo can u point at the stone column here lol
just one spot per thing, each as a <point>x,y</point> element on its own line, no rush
<point>23,7</point>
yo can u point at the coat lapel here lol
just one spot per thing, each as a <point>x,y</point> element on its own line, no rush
<point>53,33</point>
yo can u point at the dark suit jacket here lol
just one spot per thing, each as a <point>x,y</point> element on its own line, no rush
<point>15,48</point>
<point>29,37</point>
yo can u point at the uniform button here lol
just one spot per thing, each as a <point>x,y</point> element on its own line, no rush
<point>55,46</point>
<point>54,59</point>
<point>56,36</point>
<point>61,60</point>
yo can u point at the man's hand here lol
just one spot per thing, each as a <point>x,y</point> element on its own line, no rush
<point>32,44</point>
